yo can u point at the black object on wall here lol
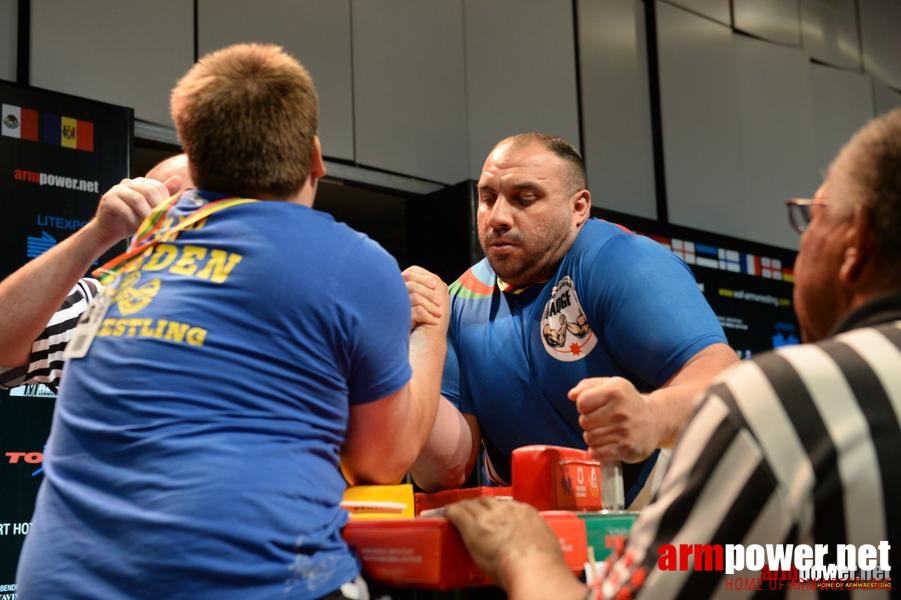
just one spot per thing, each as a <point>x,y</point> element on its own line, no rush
<point>441,230</point>
<point>58,154</point>
<point>435,231</point>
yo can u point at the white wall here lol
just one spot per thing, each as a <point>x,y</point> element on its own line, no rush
<point>718,10</point>
<point>829,32</point>
<point>616,112</point>
<point>410,87</point>
<point>880,31</point>
<point>8,39</point>
<point>739,127</point>
<point>701,134</point>
<point>425,89</point>
<point>842,103</point>
<point>316,32</point>
<point>885,98</point>
<point>772,20</point>
<point>128,53</point>
<point>777,138</point>
<point>748,122</point>
<point>520,72</point>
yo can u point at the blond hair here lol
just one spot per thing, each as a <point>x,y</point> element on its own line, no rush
<point>247,118</point>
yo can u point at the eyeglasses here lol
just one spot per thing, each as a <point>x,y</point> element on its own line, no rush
<point>799,212</point>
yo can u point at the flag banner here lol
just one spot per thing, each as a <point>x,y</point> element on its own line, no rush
<point>50,129</point>
<point>12,119</point>
<point>67,132</point>
<point>58,154</point>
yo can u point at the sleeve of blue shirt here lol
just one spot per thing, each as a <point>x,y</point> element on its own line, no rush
<point>379,323</point>
<point>653,317</point>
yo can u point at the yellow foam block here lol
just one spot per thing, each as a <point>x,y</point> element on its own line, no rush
<point>371,502</point>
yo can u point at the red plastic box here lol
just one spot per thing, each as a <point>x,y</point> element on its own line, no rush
<point>423,501</point>
<point>556,478</point>
<point>427,552</point>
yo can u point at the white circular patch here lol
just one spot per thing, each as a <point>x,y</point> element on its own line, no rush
<point>564,327</point>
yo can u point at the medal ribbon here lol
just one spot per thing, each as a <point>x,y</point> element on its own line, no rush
<point>149,235</point>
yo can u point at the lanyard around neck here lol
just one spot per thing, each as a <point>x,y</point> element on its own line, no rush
<point>149,233</point>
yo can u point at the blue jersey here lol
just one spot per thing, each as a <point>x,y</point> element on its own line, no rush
<point>195,448</point>
<point>618,304</point>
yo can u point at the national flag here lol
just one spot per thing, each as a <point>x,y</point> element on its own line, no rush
<point>730,260</point>
<point>85,138</point>
<point>765,267</point>
<point>68,133</point>
<point>50,128</point>
<point>752,264</point>
<point>678,247</point>
<point>711,251</point>
<point>12,121</point>
<point>684,250</point>
<point>29,123</point>
<point>663,241</point>
<point>693,255</point>
<point>703,261</point>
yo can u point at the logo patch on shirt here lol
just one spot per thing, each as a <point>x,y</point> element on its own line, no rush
<point>131,298</point>
<point>564,328</point>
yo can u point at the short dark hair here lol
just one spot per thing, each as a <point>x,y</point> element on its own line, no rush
<point>559,146</point>
<point>247,117</point>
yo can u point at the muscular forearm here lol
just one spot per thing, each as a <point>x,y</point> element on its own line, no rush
<point>674,403</point>
<point>428,347</point>
<point>672,406</point>
<point>385,437</point>
<point>449,452</point>
<point>30,295</point>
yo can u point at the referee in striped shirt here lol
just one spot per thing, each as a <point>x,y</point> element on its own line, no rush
<point>796,446</point>
<point>42,301</point>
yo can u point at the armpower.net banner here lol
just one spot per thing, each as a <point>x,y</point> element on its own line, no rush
<point>58,154</point>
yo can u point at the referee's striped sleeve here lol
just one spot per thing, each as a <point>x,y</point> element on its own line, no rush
<point>46,361</point>
<point>717,481</point>
<point>797,446</point>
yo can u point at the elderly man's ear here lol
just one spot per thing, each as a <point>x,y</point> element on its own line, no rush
<point>860,262</point>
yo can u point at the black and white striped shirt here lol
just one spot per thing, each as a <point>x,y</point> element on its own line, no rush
<point>46,362</point>
<point>798,446</point>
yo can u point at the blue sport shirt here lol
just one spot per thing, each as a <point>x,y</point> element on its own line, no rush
<point>619,304</point>
<point>194,450</point>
